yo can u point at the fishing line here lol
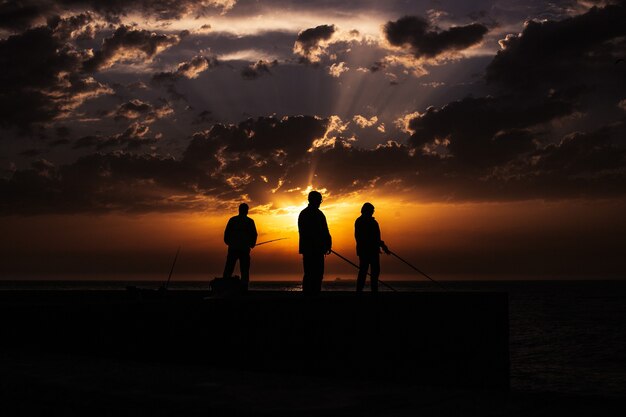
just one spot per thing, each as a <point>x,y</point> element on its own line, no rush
<point>270,241</point>
<point>418,270</point>
<point>357,267</point>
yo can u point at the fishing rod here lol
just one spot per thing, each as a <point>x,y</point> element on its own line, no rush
<point>270,241</point>
<point>172,269</point>
<point>357,267</point>
<point>421,272</point>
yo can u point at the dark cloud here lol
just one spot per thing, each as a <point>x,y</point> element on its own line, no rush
<point>575,51</point>
<point>62,131</point>
<point>482,132</point>
<point>99,183</point>
<point>224,162</point>
<point>127,42</point>
<point>503,146</point>
<point>377,66</point>
<point>426,41</point>
<point>266,158</point>
<point>81,26</point>
<point>160,9</point>
<point>17,15</point>
<point>20,15</point>
<point>602,152</point>
<point>254,71</point>
<point>190,70</point>
<point>309,43</point>
<point>343,168</point>
<point>133,138</point>
<point>88,141</point>
<point>31,152</point>
<point>205,116</point>
<point>185,70</point>
<point>137,109</point>
<point>59,142</point>
<point>41,72</point>
<point>132,109</point>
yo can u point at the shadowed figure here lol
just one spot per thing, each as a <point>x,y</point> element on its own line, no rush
<point>368,244</point>
<point>240,236</point>
<point>315,243</point>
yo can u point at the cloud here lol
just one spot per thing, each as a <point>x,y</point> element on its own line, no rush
<point>197,65</point>
<point>267,160</point>
<point>364,122</point>
<point>576,51</point>
<point>127,43</point>
<point>223,162</point>
<point>254,71</point>
<point>190,69</point>
<point>486,131</point>
<point>81,26</point>
<point>16,16</point>
<point>205,116</point>
<point>163,10</point>
<point>22,15</point>
<point>41,72</point>
<point>578,154</point>
<point>134,137</point>
<point>425,41</point>
<point>137,109</point>
<point>336,69</point>
<point>516,143</point>
<point>311,43</point>
<point>377,66</point>
<point>31,152</point>
<point>132,109</point>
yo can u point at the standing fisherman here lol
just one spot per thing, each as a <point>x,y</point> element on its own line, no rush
<point>368,244</point>
<point>240,236</point>
<point>315,242</point>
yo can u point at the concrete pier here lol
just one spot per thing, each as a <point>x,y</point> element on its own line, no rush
<point>447,339</point>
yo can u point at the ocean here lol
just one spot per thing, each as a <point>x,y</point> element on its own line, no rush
<point>565,336</point>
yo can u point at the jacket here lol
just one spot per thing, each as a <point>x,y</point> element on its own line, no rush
<point>313,229</point>
<point>367,235</point>
<point>240,233</point>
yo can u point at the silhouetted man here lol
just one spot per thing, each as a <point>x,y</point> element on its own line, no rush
<point>368,244</point>
<point>315,242</point>
<point>240,236</point>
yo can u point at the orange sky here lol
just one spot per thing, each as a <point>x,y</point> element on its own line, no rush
<point>531,239</point>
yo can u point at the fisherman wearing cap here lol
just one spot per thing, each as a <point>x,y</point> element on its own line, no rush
<point>368,245</point>
<point>315,242</point>
<point>240,236</point>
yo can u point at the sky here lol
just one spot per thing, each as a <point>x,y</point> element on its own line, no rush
<point>489,135</point>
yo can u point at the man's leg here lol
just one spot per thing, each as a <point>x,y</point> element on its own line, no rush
<point>231,259</point>
<point>244,267</point>
<point>375,263</point>
<point>306,279</point>
<point>319,272</point>
<point>363,266</point>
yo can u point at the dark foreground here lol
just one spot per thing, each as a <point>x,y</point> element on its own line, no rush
<point>110,353</point>
<point>78,385</point>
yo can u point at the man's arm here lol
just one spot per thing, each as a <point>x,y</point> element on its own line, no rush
<point>329,239</point>
<point>381,243</point>
<point>253,233</point>
<point>358,231</point>
<point>227,232</point>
